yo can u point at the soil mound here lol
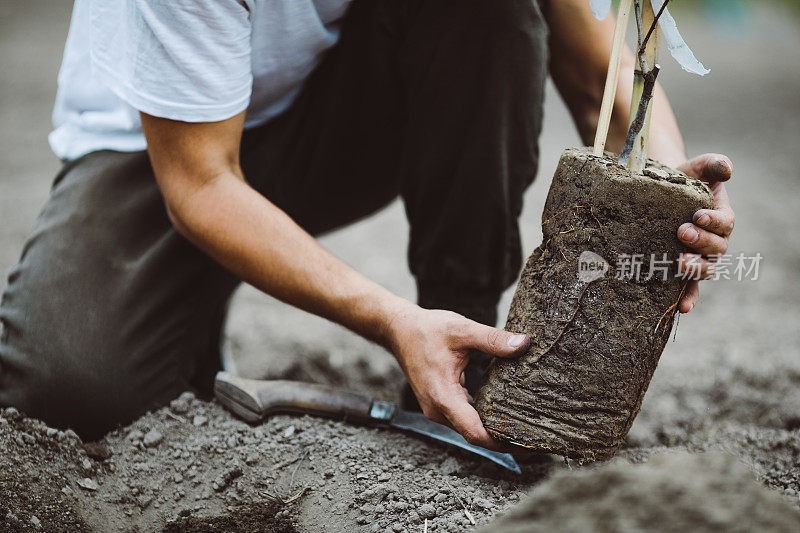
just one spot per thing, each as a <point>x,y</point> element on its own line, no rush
<point>676,492</point>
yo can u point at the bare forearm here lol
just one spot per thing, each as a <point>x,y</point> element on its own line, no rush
<point>209,201</point>
<point>261,244</point>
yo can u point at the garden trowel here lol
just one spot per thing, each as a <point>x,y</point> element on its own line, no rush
<point>253,400</point>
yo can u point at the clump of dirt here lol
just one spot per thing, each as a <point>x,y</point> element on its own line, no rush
<point>40,471</point>
<point>706,492</point>
<point>252,519</point>
<point>597,336</point>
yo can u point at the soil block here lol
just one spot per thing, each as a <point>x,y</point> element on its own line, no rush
<point>599,310</point>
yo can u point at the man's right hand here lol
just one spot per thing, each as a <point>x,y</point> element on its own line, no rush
<point>433,349</point>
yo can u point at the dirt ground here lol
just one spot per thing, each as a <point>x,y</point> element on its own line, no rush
<point>729,383</point>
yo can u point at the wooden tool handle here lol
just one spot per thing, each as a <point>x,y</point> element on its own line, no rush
<point>254,399</point>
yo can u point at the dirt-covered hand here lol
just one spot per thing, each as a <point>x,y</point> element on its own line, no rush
<point>433,347</point>
<point>710,229</point>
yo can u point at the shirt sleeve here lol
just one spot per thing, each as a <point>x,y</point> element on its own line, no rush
<point>186,60</point>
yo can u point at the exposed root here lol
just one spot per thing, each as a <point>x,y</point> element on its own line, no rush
<point>563,211</point>
<point>599,225</point>
<point>295,497</point>
<point>299,462</point>
<point>568,322</point>
<point>675,331</point>
<point>287,462</point>
<point>672,308</point>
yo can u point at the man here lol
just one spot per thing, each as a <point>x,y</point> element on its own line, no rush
<point>266,123</point>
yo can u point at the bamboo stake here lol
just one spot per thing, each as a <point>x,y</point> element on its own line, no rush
<point>644,79</point>
<point>612,78</point>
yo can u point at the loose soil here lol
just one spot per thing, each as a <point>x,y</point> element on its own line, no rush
<point>597,339</point>
<point>674,492</point>
<point>192,467</point>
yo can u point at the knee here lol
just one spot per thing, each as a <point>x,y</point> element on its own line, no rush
<point>90,401</point>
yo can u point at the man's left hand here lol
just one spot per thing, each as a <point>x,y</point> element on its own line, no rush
<point>710,230</point>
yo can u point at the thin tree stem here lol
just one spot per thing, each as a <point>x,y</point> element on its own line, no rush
<point>643,42</point>
<point>637,8</point>
<point>641,114</point>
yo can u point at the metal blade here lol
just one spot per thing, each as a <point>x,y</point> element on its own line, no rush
<point>417,423</point>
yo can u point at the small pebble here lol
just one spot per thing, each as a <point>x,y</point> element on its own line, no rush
<point>97,451</point>
<point>180,405</point>
<point>482,503</point>
<point>71,435</point>
<point>225,479</point>
<point>88,484</point>
<point>144,500</point>
<point>427,511</point>
<point>152,438</point>
<point>449,466</point>
<point>199,420</point>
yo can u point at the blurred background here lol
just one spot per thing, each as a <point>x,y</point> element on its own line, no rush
<point>736,358</point>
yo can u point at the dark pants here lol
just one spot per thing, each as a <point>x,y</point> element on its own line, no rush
<point>110,312</point>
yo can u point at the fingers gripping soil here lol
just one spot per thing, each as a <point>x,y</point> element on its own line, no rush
<point>703,241</point>
<point>709,167</point>
<point>719,221</point>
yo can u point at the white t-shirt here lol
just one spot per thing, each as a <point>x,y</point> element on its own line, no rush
<point>188,60</point>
